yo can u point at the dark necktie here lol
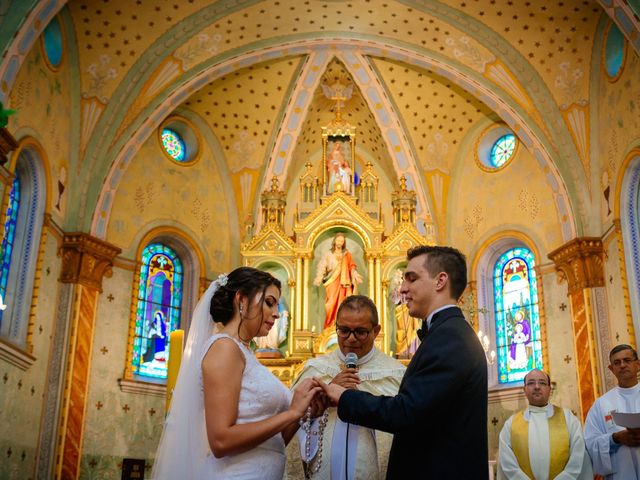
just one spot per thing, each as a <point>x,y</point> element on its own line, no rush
<point>422,332</point>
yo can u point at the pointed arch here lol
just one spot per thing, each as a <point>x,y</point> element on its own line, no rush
<point>504,106</point>
<point>20,245</point>
<point>627,209</point>
<point>166,286</point>
<point>509,296</point>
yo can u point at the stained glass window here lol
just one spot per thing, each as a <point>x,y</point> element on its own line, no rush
<point>173,144</point>
<point>52,37</point>
<point>518,338</point>
<point>502,150</point>
<point>9,239</point>
<point>614,51</point>
<point>158,309</point>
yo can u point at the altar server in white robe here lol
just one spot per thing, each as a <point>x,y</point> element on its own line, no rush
<point>351,451</point>
<point>544,441</point>
<point>615,450</point>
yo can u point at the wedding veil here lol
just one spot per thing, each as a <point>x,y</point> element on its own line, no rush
<point>183,445</point>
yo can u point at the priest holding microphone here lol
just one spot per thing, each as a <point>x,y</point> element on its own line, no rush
<point>337,450</point>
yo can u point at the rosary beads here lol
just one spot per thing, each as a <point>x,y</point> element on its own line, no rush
<point>305,424</point>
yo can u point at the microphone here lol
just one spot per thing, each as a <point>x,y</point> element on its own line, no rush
<point>351,360</point>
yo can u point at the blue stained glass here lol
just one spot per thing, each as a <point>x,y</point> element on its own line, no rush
<point>518,336</point>
<point>173,144</point>
<point>53,42</point>
<point>9,239</point>
<point>158,309</point>
<point>502,150</point>
<point>614,51</point>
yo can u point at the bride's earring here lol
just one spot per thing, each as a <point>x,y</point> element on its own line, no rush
<point>240,310</point>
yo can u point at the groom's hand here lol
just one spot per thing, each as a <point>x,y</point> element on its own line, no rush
<point>348,378</point>
<point>333,392</point>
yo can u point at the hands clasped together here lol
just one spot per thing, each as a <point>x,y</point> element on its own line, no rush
<point>314,393</point>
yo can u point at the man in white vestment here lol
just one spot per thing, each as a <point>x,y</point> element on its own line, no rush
<point>543,442</point>
<point>350,451</point>
<point>615,450</point>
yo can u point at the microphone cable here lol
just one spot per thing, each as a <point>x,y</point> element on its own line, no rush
<point>346,456</point>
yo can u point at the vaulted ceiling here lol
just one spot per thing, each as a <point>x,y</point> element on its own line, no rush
<point>428,76</point>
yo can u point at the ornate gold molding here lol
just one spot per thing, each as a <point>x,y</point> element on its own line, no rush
<point>581,262</point>
<point>86,260</point>
<point>7,145</point>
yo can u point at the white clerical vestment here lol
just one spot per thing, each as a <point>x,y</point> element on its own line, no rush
<point>351,451</point>
<point>613,461</point>
<point>578,465</point>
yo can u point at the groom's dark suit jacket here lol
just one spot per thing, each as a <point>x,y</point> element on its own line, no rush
<point>439,417</point>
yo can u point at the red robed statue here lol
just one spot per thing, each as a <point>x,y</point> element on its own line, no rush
<point>337,272</point>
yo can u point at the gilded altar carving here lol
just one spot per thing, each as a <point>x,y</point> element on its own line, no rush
<point>334,201</point>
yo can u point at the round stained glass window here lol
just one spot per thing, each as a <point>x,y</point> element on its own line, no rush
<point>52,43</point>
<point>502,150</point>
<point>614,51</point>
<point>173,144</point>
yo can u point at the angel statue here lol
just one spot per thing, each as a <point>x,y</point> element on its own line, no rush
<point>407,341</point>
<point>267,346</point>
<point>338,92</point>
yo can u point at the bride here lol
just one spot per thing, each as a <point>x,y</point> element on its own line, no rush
<point>230,417</point>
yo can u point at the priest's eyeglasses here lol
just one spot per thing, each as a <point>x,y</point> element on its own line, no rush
<point>359,333</point>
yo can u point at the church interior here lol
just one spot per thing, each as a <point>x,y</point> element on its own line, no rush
<point>149,146</point>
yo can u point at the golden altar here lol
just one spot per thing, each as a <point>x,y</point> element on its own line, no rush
<point>332,200</point>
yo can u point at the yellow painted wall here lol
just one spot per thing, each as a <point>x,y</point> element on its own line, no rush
<point>156,191</point>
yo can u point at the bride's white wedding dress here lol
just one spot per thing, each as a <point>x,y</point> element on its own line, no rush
<point>262,396</point>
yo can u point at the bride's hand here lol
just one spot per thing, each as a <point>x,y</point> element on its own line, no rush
<point>303,395</point>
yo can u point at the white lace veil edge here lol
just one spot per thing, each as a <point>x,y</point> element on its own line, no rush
<point>183,444</point>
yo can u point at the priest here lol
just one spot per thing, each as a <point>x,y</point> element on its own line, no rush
<point>336,450</point>
<point>615,450</point>
<point>542,442</point>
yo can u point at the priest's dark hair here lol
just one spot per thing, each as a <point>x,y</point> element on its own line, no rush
<point>357,302</point>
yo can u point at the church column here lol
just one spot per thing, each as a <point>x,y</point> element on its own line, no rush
<point>581,262</point>
<point>378,276</point>
<point>384,315</point>
<point>293,302</point>
<point>306,260</point>
<point>298,310</point>
<point>372,280</point>
<point>85,261</point>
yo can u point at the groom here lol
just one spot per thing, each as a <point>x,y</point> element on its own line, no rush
<point>439,416</point>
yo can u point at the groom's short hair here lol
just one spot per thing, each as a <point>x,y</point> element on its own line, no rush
<point>357,302</point>
<point>444,259</point>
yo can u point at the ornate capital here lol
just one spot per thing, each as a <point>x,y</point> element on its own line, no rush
<point>581,262</point>
<point>86,259</point>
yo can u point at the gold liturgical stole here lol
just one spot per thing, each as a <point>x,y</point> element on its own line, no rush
<point>558,442</point>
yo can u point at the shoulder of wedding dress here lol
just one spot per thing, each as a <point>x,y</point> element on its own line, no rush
<point>217,336</point>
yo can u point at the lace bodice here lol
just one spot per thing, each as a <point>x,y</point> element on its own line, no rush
<point>262,395</point>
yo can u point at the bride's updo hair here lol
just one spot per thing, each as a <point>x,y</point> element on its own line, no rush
<point>246,280</point>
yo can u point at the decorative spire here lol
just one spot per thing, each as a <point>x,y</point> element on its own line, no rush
<point>273,202</point>
<point>404,203</point>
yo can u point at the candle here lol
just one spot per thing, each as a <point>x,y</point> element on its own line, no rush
<point>176,344</point>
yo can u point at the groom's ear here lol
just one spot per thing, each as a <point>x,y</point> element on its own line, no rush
<point>442,281</point>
